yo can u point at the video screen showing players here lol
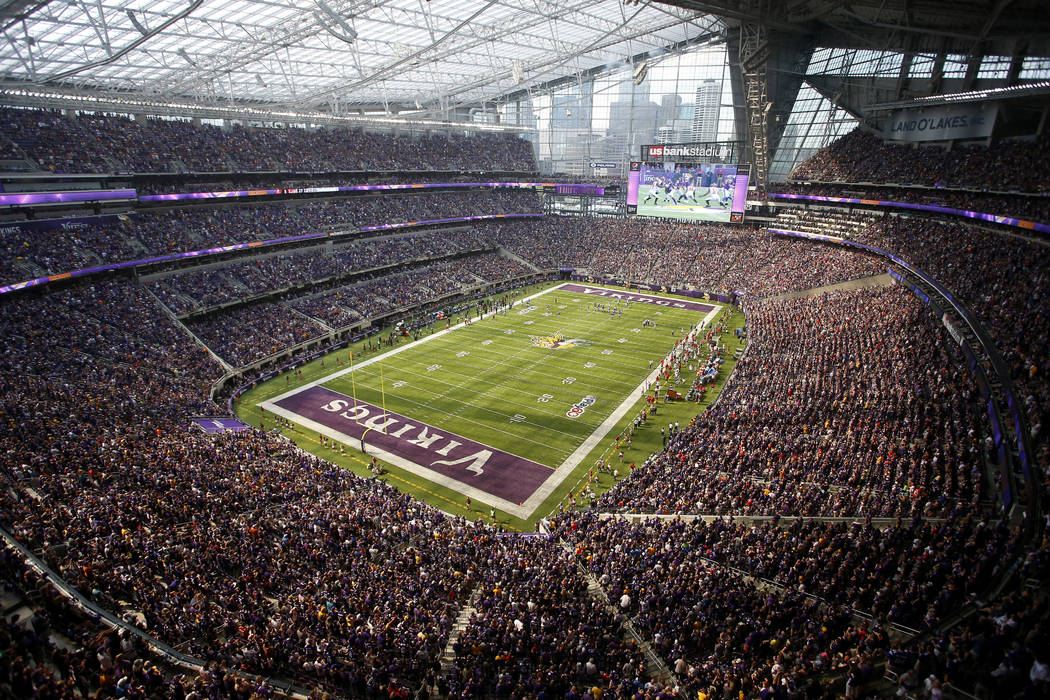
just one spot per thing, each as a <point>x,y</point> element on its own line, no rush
<point>697,191</point>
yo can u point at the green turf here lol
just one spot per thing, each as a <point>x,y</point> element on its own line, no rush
<point>488,381</point>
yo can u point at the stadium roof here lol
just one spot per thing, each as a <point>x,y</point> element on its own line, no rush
<point>339,56</point>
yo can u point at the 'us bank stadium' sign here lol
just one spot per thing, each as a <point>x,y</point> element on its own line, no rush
<point>695,152</point>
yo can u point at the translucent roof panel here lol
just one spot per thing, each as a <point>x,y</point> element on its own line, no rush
<point>324,54</point>
<point>814,123</point>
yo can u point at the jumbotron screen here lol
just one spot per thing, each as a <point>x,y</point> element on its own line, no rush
<point>697,191</point>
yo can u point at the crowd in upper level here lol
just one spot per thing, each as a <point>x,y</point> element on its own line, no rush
<point>861,156</point>
<point>63,142</point>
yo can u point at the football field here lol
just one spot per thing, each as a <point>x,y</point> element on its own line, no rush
<point>503,408</point>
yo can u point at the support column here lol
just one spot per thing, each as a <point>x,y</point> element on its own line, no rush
<point>754,54</point>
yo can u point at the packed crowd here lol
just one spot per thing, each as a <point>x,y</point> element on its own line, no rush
<point>669,254</point>
<point>239,549</point>
<point>536,629</point>
<point>52,650</point>
<point>861,156</point>
<point>92,143</point>
<point>698,256</point>
<point>768,265</point>
<point>840,223</point>
<point>255,556</point>
<point>553,242</point>
<point>249,333</point>
<point>1004,280</point>
<point>848,403</point>
<point>1001,650</point>
<point>675,255</point>
<point>246,334</point>
<point>223,182</point>
<point>692,587</point>
<point>198,289</point>
<point>145,234</point>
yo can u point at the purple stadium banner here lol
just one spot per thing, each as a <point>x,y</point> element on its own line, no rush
<point>356,188</point>
<point>36,198</point>
<point>635,297</point>
<point>980,216</point>
<point>493,471</point>
<point>219,425</point>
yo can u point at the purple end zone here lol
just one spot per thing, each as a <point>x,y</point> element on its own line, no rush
<point>636,297</point>
<point>219,425</point>
<point>486,468</point>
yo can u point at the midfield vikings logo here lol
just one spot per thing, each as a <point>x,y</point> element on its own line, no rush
<point>557,342</point>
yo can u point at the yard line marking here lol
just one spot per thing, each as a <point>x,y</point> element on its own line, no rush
<point>557,477</point>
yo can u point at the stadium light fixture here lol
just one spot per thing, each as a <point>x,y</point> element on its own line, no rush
<point>1020,90</point>
<point>182,52</point>
<point>347,33</point>
<point>640,71</point>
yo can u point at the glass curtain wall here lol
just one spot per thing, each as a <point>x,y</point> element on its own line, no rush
<point>815,122</point>
<point>605,119</point>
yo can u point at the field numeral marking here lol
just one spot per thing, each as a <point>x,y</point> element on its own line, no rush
<point>529,323</point>
<point>517,418</point>
<point>433,367</point>
<point>636,330</point>
<point>544,398</point>
<point>607,352</point>
<point>462,353</point>
<point>509,331</point>
<point>399,383</point>
<point>588,365</point>
<point>568,380</point>
<point>622,340</point>
<point>486,342</point>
